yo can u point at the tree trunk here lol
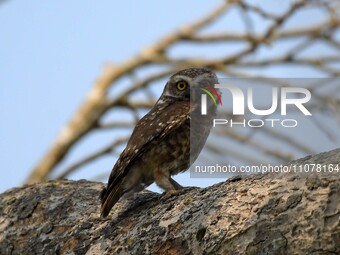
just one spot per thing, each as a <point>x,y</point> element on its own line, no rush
<point>276,213</point>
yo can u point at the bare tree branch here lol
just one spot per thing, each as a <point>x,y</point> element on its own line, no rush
<point>90,114</point>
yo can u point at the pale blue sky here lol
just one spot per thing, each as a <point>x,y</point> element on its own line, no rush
<point>50,54</point>
<point>52,51</point>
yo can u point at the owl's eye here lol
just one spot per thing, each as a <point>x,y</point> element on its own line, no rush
<point>182,85</point>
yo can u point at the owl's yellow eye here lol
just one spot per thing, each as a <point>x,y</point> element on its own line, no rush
<point>182,85</point>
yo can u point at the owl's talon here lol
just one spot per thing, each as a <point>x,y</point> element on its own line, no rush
<point>171,193</point>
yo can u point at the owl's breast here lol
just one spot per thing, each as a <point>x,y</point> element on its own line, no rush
<point>177,151</point>
<point>170,154</point>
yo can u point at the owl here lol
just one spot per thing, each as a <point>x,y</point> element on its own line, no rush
<point>166,141</point>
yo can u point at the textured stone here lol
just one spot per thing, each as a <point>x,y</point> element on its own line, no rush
<point>288,213</point>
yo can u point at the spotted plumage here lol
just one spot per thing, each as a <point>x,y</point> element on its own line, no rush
<point>159,146</point>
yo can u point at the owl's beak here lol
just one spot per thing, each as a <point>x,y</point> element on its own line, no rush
<point>195,93</point>
<point>205,86</point>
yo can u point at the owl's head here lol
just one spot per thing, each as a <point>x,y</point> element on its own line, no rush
<point>182,84</point>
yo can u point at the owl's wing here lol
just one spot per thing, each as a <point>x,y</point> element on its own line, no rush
<point>156,125</point>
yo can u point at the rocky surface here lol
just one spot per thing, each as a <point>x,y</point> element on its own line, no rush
<point>288,213</point>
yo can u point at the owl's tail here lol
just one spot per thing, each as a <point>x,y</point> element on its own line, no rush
<point>109,197</point>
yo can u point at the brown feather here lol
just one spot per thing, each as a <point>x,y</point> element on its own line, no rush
<point>161,144</point>
<point>141,139</point>
<point>114,193</point>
